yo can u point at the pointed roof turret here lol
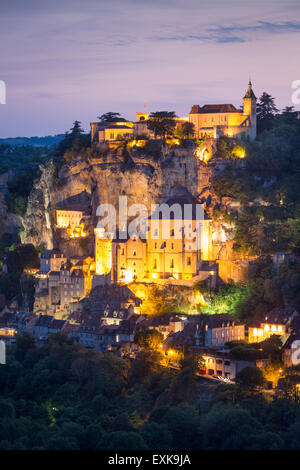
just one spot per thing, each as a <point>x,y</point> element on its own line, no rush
<point>250,92</point>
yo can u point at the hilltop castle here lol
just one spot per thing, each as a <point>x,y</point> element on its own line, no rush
<point>210,121</point>
<point>215,120</point>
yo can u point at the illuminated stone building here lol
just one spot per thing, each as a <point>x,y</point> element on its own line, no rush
<point>276,322</point>
<point>114,131</point>
<point>73,215</point>
<point>56,288</point>
<point>176,246</point>
<point>103,252</point>
<point>215,120</point>
<point>210,121</point>
<point>72,220</point>
<point>51,260</point>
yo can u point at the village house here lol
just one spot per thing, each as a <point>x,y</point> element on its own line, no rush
<point>222,364</point>
<point>210,331</point>
<point>45,325</point>
<point>51,260</point>
<point>278,322</point>
<point>166,325</point>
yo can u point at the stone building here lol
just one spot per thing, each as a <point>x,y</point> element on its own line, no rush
<point>176,245</point>
<point>215,120</point>
<point>208,331</point>
<point>56,289</point>
<point>279,322</point>
<point>51,260</point>
<point>210,121</point>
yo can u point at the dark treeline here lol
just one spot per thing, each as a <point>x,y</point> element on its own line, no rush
<point>63,396</point>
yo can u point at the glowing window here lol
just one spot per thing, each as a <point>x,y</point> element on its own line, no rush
<point>273,328</point>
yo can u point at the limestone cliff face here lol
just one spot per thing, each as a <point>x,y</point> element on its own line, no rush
<point>38,222</point>
<point>103,178</point>
<point>142,180</point>
<point>10,223</point>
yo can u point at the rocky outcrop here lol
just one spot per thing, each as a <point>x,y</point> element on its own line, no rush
<point>10,223</point>
<point>102,178</point>
<point>232,265</point>
<point>38,222</point>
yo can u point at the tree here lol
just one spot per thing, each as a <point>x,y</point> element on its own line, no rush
<point>186,130</point>
<point>157,436</point>
<point>110,117</point>
<point>250,378</point>
<point>76,130</point>
<point>289,385</point>
<point>182,422</point>
<point>149,339</point>
<point>290,116</point>
<point>121,440</point>
<point>272,347</point>
<point>162,123</point>
<point>145,364</point>
<point>74,139</point>
<point>193,362</point>
<point>266,111</point>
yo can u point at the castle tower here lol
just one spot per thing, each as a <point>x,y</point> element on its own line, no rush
<point>250,109</point>
<point>143,116</point>
<point>103,252</point>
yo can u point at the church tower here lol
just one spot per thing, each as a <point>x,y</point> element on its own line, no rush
<point>250,109</point>
<point>103,252</point>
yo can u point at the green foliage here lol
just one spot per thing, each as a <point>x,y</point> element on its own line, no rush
<point>12,283</point>
<point>74,141</point>
<point>266,112</point>
<point>271,348</point>
<point>149,339</point>
<point>226,299</point>
<point>250,378</point>
<point>269,173</point>
<point>61,396</point>
<point>162,123</point>
<point>19,189</point>
<point>186,130</point>
<point>110,117</point>
<point>16,156</point>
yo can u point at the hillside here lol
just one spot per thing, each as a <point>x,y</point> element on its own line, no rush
<point>47,141</point>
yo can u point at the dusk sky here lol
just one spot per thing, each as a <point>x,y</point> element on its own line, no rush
<point>72,59</point>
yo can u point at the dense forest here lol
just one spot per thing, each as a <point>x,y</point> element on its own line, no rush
<point>63,396</point>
